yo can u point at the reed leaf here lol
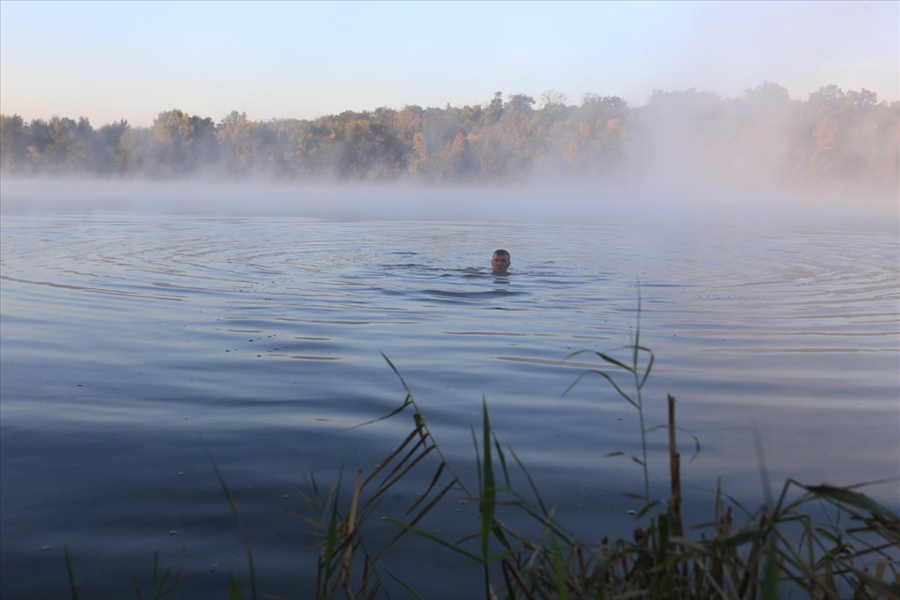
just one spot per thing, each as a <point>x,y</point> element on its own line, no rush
<point>245,538</point>
<point>608,378</point>
<point>449,545</point>
<point>647,508</point>
<point>845,497</point>
<point>234,588</point>
<point>530,480</point>
<point>488,487</point>
<point>648,368</point>
<point>417,518</point>
<point>561,588</point>
<point>602,356</point>
<point>70,572</point>
<point>697,446</point>
<point>402,583</point>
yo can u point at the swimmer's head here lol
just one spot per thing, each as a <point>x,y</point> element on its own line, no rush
<point>500,262</point>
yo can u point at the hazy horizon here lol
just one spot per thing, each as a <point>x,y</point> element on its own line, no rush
<point>540,102</point>
<point>586,203</point>
<point>303,60</point>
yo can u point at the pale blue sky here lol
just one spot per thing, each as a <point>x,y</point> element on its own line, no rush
<point>132,60</point>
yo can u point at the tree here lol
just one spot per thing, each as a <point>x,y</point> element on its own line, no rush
<point>829,97</point>
<point>237,141</point>
<point>767,93</point>
<point>552,98</point>
<point>13,143</point>
<point>57,146</point>
<point>104,149</point>
<point>520,105</point>
<point>183,142</point>
<point>495,109</point>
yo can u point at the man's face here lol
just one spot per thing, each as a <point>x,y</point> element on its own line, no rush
<point>500,263</point>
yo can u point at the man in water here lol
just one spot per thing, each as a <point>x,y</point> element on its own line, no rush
<point>500,262</point>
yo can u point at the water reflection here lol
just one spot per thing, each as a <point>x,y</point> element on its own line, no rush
<point>129,343</point>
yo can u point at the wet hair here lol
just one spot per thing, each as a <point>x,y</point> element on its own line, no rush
<point>501,252</point>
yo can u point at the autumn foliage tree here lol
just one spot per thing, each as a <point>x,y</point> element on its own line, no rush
<point>835,138</point>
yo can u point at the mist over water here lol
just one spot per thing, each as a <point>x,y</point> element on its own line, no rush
<point>686,155</point>
<point>652,204</point>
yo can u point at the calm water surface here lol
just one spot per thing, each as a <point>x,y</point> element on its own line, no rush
<point>132,343</point>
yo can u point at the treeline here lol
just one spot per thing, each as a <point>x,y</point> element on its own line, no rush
<point>762,138</point>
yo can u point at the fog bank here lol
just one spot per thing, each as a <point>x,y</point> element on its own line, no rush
<point>534,202</point>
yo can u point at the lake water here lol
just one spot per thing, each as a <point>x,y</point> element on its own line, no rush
<point>133,342</point>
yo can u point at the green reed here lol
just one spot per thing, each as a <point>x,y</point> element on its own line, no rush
<point>640,373</point>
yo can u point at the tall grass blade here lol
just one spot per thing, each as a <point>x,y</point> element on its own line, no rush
<point>847,497</point>
<point>234,588</point>
<point>410,526</point>
<point>562,589</point>
<point>602,356</point>
<point>489,489</point>
<point>413,593</point>
<point>71,573</point>
<point>502,457</point>
<point>608,378</point>
<point>770,577</point>
<point>427,492</point>
<point>240,522</point>
<point>763,469</point>
<point>647,369</point>
<point>647,508</point>
<point>531,483</point>
<point>351,527</point>
<point>330,544</point>
<point>884,589</point>
<point>449,545</point>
